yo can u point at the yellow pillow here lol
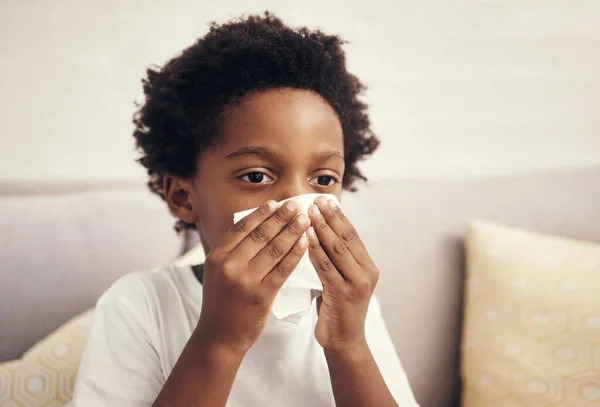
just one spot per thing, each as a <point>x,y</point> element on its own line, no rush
<point>45,375</point>
<point>532,320</point>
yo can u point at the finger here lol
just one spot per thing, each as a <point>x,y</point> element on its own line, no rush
<point>266,231</point>
<point>275,250</point>
<point>344,230</point>
<point>240,230</point>
<point>336,249</point>
<point>280,273</point>
<point>326,270</point>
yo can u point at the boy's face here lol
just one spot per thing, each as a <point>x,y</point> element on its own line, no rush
<point>274,145</point>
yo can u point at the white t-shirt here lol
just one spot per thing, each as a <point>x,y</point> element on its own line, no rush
<point>142,323</point>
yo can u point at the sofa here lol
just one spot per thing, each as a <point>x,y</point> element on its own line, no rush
<point>63,244</point>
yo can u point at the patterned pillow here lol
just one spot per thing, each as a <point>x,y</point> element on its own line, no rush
<point>45,375</point>
<point>532,320</point>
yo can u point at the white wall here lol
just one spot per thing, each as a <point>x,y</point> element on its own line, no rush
<point>457,88</point>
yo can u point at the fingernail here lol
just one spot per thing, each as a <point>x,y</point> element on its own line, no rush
<point>291,206</point>
<point>332,204</point>
<point>322,200</point>
<point>302,219</point>
<point>311,231</point>
<point>315,210</point>
<point>303,241</point>
<point>272,204</point>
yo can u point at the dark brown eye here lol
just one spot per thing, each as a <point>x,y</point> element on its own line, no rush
<point>256,177</point>
<point>324,180</point>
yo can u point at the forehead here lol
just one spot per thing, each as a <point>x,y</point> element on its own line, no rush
<point>288,121</point>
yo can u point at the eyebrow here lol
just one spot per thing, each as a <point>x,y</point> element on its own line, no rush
<point>264,152</point>
<point>255,151</point>
<point>327,154</point>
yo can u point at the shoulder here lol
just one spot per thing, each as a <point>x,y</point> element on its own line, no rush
<point>121,363</point>
<point>141,293</point>
<point>136,286</point>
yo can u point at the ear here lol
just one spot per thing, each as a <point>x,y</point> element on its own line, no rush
<point>178,194</point>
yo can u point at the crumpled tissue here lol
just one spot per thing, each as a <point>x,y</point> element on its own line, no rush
<point>295,297</point>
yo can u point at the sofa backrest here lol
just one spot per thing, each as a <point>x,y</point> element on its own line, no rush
<point>414,231</point>
<point>62,245</point>
<point>60,251</point>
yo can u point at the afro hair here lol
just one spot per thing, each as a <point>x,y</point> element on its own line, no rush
<point>186,98</point>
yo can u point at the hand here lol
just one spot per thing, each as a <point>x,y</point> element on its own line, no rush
<point>348,276</point>
<point>245,271</point>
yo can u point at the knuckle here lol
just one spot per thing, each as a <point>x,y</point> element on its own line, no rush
<point>314,245</point>
<point>364,285</point>
<point>340,249</point>
<point>331,214</point>
<point>375,276</point>
<point>349,236</point>
<point>280,218</point>
<point>292,230</point>
<point>325,265</point>
<point>240,227</point>
<point>258,234</point>
<point>263,210</point>
<point>274,250</point>
<point>297,251</point>
<point>229,268</point>
<point>283,269</point>
<point>323,225</point>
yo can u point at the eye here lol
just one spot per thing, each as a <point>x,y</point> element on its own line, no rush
<point>256,177</point>
<point>324,180</point>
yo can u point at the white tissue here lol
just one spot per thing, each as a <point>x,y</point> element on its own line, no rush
<point>294,299</point>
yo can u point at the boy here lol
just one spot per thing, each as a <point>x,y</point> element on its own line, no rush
<point>253,113</point>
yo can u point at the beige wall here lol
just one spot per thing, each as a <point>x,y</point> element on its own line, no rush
<point>458,88</point>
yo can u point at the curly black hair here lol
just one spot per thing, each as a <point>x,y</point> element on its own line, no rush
<point>185,99</point>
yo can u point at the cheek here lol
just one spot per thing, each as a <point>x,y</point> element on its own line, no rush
<point>213,222</point>
<point>213,214</point>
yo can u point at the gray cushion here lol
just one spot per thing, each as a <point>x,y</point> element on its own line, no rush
<point>413,230</point>
<point>61,250</point>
